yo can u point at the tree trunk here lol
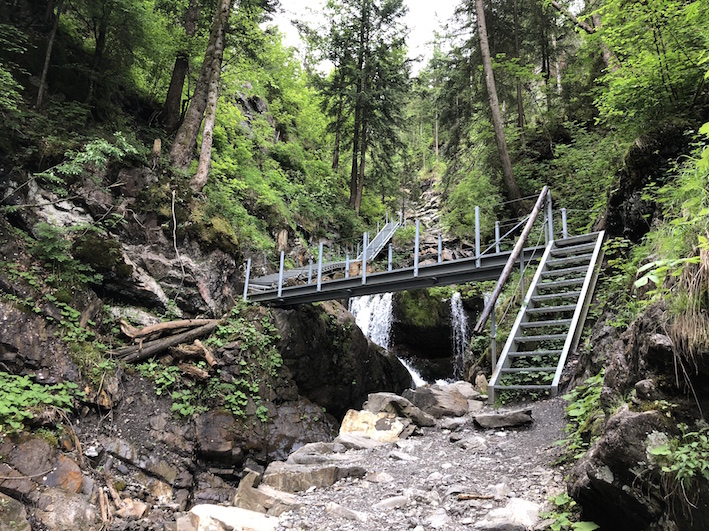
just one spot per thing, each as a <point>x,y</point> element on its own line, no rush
<point>520,103</point>
<point>338,135</point>
<point>98,54</point>
<point>172,111</point>
<point>362,160</point>
<point>186,137</point>
<point>508,175</point>
<point>359,111</point>
<point>205,155</point>
<point>48,55</point>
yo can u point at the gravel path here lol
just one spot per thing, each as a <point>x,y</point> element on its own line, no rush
<point>448,478</point>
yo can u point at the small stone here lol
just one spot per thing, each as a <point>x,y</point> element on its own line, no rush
<point>394,502</point>
<point>380,477</point>
<point>342,512</point>
<point>402,456</point>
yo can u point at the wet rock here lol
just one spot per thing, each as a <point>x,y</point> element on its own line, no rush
<point>332,362</point>
<point>212,489</point>
<point>646,389</point>
<point>61,511</point>
<point>399,406</point>
<point>438,401</point>
<point>13,516</point>
<point>217,518</point>
<point>517,515</point>
<point>218,436</point>
<point>606,481</point>
<point>20,487</point>
<point>380,427</point>
<point>511,419</point>
<point>298,478</point>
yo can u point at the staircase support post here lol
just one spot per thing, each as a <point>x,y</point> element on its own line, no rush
<point>390,257</point>
<point>521,273</point>
<point>320,266</point>
<point>440,248</point>
<point>493,338</point>
<point>497,237</point>
<point>416,250</point>
<point>477,236</point>
<point>280,273</point>
<point>347,265</point>
<point>248,275</point>
<point>310,270</point>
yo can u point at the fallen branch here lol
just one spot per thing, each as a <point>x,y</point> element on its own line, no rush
<point>197,349</point>
<point>136,333</point>
<point>149,349</point>
<point>473,496</point>
<point>194,371</point>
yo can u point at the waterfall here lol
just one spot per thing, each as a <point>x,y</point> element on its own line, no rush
<point>373,314</point>
<point>459,335</point>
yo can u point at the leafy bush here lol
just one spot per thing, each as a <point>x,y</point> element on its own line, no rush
<point>585,416</point>
<point>21,398</point>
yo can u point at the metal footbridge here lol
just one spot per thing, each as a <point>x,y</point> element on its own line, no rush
<point>549,322</point>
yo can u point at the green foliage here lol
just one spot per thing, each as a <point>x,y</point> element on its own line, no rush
<point>659,57</point>
<point>21,398</point>
<point>565,515</point>
<point>684,464</point>
<point>585,417</point>
<point>474,189</point>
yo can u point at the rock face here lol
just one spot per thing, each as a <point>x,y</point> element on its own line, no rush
<point>607,481</point>
<point>332,362</point>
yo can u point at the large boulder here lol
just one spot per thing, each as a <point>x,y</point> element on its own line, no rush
<point>331,361</point>
<point>439,400</point>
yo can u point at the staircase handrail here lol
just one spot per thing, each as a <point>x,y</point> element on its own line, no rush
<point>511,262</point>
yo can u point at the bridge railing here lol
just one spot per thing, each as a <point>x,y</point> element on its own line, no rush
<point>344,259</point>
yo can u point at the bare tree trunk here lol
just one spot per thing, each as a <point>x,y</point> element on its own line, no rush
<point>186,137</point>
<point>520,103</point>
<point>205,155</point>
<point>436,136</point>
<point>172,111</point>
<point>362,161</point>
<point>507,173</point>
<point>359,111</point>
<point>338,136</point>
<point>48,55</point>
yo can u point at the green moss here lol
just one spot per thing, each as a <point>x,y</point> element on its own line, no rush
<point>421,309</point>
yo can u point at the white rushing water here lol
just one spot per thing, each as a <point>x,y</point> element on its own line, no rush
<point>459,334</point>
<point>373,314</point>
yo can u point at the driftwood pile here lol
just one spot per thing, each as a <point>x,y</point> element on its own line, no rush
<point>150,341</point>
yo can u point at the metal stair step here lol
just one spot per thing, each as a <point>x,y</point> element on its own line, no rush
<point>569,260</point>
<point>531,353</point>
<point>544,337</point>
<point>575,240</point>
<point>552,296</point>
<point>551,309</point>
<point>565,271</point>
<point>561,283</point>
<point>542,324</point>
<point>527,369</point>
<point>571,249</point>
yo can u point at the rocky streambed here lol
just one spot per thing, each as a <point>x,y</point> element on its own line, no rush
<point>396,467</point>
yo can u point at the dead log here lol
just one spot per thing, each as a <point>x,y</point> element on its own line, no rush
<point>196,349</point>
<point>151,348</point>
<point>194,371</point>
<point>136,333</point>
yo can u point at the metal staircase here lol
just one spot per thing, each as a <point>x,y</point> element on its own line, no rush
<point>551,319</point>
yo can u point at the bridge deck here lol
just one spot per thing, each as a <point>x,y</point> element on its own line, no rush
<point>441,274</point>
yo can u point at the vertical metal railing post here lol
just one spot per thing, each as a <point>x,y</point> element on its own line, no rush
<point>550,216</point>
<point>280,273</point>
<point>477,236</point>
<point>564,228</point>
<point>365,243</point>
<point>497,237</point>
<point>320,266</point>
<point>347,265</point>
<point>310,270</point>
<point>521,272</point>
<point>440,248</point>
<point>391,254</point>
<point>493,338</point>
<point>416,249</point>
<point>248,275</point>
